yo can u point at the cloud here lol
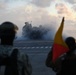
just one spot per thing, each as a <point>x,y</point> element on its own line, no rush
<point>70,28</point>
<point>14,3</point>
<point>61,8</point>
<point>41,3</point>
<point>65,11</point>
<point>30,13</point>
<point>19,15</point>
<point>3,5</point>
<point>7,1</point>
<point>74,7</point>
<point>71,1</point>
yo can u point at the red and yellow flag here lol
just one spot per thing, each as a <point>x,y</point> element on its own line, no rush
<point>59,46</point>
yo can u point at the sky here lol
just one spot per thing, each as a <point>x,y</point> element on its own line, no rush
<point>40,12</point>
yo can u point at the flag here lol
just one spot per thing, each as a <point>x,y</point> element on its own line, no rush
<point>59,46</point>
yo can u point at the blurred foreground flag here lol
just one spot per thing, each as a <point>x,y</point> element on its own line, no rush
<point>59,46</point>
